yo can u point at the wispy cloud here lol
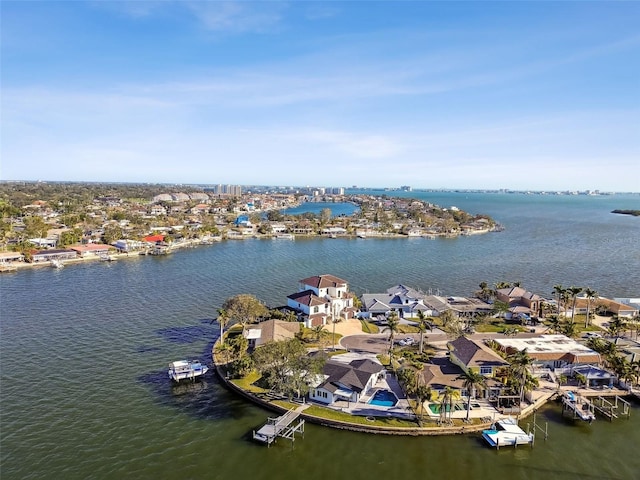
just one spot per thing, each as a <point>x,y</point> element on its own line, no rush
<point>238,16</point>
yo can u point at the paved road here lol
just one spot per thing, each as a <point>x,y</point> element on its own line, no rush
<point>379,343</point>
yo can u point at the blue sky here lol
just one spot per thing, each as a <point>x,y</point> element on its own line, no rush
<point>521,95</point>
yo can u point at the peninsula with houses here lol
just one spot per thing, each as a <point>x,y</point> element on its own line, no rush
<point>411,363</point>
<point>58,223</point>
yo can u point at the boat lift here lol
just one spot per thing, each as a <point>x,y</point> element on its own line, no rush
<point>282,426</point>
<point>610,409</point>
<point>578,406</point>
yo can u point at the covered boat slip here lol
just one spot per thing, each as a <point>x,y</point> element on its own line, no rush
<point>282,426</point>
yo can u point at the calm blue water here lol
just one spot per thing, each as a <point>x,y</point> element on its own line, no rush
<point>84,351</point>
<point>337,209</point>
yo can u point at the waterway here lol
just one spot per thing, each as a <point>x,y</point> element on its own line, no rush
<point>84,350</point>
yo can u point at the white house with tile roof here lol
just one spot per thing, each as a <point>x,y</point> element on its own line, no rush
<point>321,299</point>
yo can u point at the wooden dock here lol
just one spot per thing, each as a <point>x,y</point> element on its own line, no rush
<point>284,426</point>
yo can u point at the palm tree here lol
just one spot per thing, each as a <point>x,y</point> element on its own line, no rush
<point>446,402</point>
<point>616,327</point>
<point>590,294</point>
<point>485,293</point>
<point>635,369</point>
<point>570,330</point>
<point>423,393</point>
<point>555,325</point>
<point>560,291</point>
<point>223,319</point>
<point>317,331</point>
<point>573,294</point>
<point>472,382</point>
<point>393,324</point>
<point>520,368</point>
<point>423,326</point>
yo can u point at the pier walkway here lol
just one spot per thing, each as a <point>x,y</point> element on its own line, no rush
<point>284,426</point>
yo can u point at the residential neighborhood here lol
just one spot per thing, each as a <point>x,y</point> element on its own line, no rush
<point>421,357</point>
<point>41,222</point>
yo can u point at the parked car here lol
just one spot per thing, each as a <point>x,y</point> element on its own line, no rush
<point>405,342</point>
<point>593,335</point>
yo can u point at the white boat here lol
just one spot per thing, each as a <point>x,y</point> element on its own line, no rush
<point>56,263</point>
<point>185,369</point>
<point>286,236</point>
<point>506,432</point>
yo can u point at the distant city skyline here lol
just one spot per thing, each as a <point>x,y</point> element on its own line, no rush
<point>540,96</point>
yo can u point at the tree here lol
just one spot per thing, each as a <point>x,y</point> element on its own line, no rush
<point>590,294</point>
<point>446,402</point>
<point>560,292</point>
<point>239,345</point>
<point>325,216</point>
<point>423,393</point>
<point>616,327</point>
<point>555,325</point>
<point>520,366</point>
<point>111,234</point>
<point>244,309</point>
<point>317,331</point>
<point>500,308</point>
<point>286,367</point>
<point>569,329</point>
<point>573,293</point>
<point>485,293</point>
<point>472,382</point>
<point>423,326</point>
<point>223,319</point>
<point>392,326</point>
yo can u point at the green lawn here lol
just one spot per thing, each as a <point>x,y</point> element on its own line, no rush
<point>247,383</point>
<point>330,414</point>
<point>368,327</point>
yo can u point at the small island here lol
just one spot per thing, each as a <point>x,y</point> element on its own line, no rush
<point>635,213</point>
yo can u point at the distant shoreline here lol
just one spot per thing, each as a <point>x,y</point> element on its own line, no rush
<point>634,213</point>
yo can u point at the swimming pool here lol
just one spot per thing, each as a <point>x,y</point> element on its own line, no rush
<point>383,398</point>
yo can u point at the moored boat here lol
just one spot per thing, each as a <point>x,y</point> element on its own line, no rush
<point>186,370</point>
<point>506,432</point>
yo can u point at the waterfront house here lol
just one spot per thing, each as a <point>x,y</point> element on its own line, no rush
<point>6,257</point>
<point>403,300</point>
<point>550,351</point>
<point>605,306</point>
<point>91,249</point>
<point>468,307</point>
<point>341,381</point>
<point>520,301</point>
<point>57,254</point>
<point>334,231</point>
<point>475,356</point>
<point>321,299</point>
<point>270,331</point>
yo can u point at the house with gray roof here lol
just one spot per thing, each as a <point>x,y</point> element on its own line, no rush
<point>403,300</point>
<point>475,356</point>
<point>349,382</point>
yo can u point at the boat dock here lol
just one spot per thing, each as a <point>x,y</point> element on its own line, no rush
<point>578,406</point>
<point>284,426</point>
<point>612,409</point>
